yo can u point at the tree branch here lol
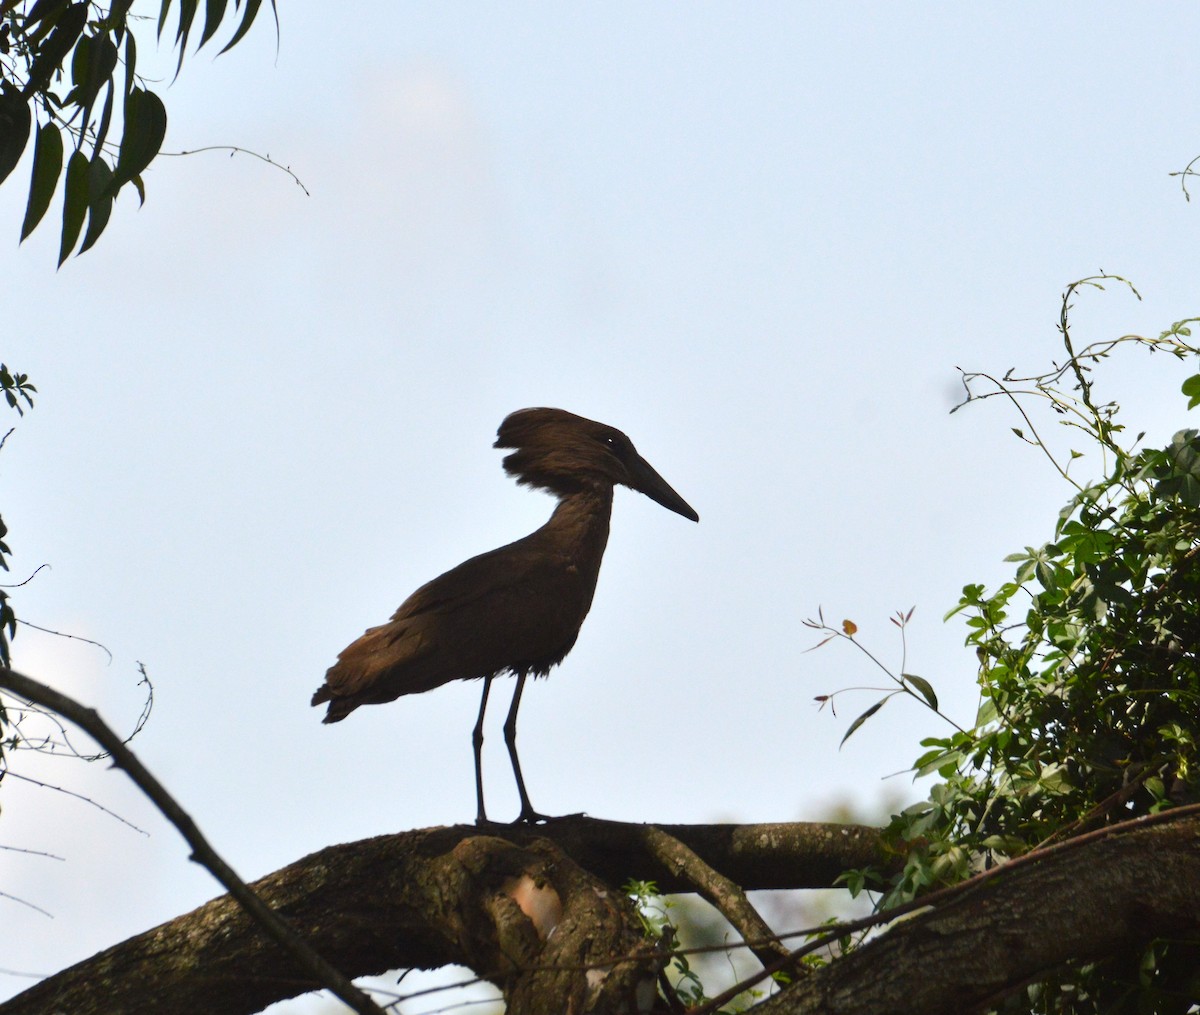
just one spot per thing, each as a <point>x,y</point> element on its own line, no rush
<point>720,891</point>
<point>90,722</point>
<point>420,899</point>
<point>1077,901</point>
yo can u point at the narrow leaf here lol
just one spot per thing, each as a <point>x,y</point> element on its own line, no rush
<point>145,128</point>
<point>102,61</point>
<point>922,685</point>
<point>248,15</point>
<point>130,64</point>
<point>43,9</point>
<point>862,719</point>
<point>54,50</point>
<point>163,11</point>
<point>187,12</point>
<point>214,11</point>
<point>75,203</point>
<point>42,17</point>
<point>117,18</point>
<point>99,175</point>
<point>47,167</point>
<point>15,124</point>
<point>105,117</point>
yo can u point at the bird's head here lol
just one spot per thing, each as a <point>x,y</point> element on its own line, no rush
<point>558,451</point>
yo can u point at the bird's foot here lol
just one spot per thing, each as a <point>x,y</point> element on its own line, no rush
<point>529,816</point>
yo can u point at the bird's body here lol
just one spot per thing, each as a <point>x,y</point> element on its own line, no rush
<point>515,609</point>
<point>518,608</point>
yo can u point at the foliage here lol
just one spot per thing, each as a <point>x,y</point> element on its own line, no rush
<point>685,985</point>
<point>1089,677</point>
<point>17,389</point>
<point>59,63</point>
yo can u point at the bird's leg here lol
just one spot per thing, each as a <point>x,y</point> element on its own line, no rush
<point>477,743</point>
<point>528,814</point>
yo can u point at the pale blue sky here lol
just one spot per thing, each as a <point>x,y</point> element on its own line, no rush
<point>759,239</point>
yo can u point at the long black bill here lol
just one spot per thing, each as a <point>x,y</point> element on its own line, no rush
<point>644,479</point>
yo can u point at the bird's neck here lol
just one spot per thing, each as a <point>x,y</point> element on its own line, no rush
<point>579,525</point>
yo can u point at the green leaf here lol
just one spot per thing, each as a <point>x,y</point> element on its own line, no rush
<point>248,16</point>
<point>99,176</point>
<point>163,11</point>
<point>54,50</point>
<point>102,61</point>
<point>187,12</point>
<point>47,166</point>
<point>15,124</point>
<point>214,11</point>
<point>1191,388</point>
<point>46,13</point>
<point>922,685</point>
<point>75,203</point>
<point>130,64</point>
<point>145,128</point>
<point>117,18</point>
<point>79,66</point>
<point>105,117</point>
<point>862,719</point>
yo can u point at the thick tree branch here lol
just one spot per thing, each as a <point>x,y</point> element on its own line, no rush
<point>430,898</point>
<point>90,722</point>
<point>1078,901</point>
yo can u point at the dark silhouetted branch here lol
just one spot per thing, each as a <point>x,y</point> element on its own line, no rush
<point>87,719</point>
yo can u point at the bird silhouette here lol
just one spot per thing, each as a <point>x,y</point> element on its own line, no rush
<point>516,609</point>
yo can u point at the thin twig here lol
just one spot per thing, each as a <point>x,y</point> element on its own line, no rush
<point>17,585</point>
<point>10,774</point>
<point>32,852</point>
<point>90,722</point>
<point>235,150</point>
<point>26,902</point>
<point>63,634</point>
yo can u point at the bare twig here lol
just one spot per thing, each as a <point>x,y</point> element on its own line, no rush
<point>235,150</point>
<point>9,773</point>
<point>90,722</point>
<point>26,902</point>
<point>1183,174</point>
<point>17,585</point>
<point>61,634</point>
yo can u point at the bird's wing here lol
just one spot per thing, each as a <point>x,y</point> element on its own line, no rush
<point>462,624</point>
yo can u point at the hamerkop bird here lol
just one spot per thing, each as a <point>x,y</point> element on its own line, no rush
<point>516,609</point>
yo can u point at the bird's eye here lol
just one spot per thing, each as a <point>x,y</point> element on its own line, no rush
<point>612,443</point>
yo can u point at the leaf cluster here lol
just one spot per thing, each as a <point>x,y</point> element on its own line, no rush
<point>69,80</point>
<point>1089,677</point>
<point>17,390</point>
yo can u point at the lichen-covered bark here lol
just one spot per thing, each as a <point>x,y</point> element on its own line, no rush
<point>1075,903</point>
<point>483,898</point>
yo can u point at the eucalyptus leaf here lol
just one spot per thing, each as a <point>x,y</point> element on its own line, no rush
<point>47,167</point>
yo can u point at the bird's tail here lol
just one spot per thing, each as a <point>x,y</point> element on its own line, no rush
<point>338,709</point>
